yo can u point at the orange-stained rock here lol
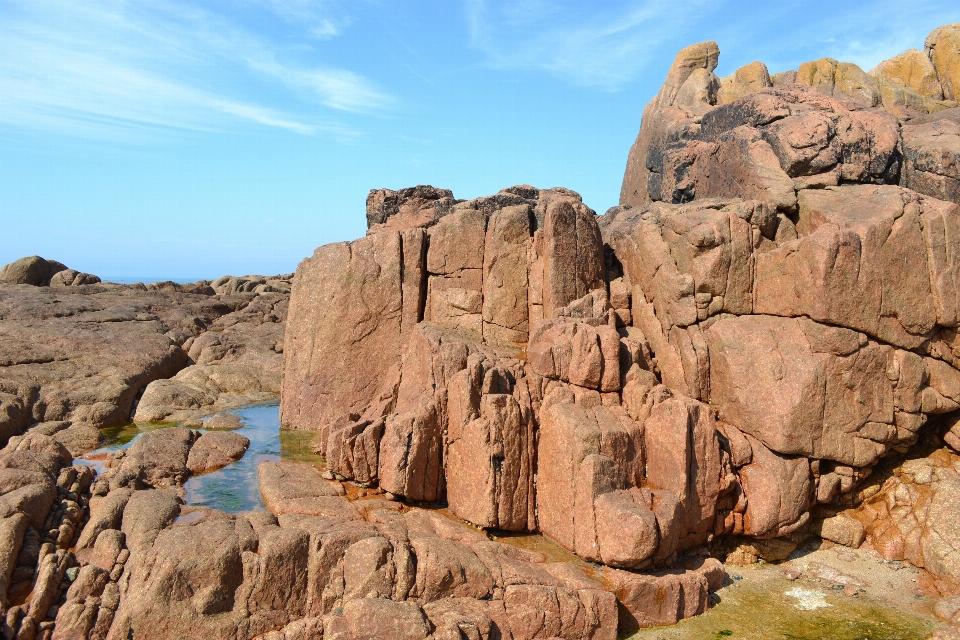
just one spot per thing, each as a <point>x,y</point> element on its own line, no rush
<point>840,80</point>
<point>943,47</point>
<point>913,70</point>
<point>654,600</point>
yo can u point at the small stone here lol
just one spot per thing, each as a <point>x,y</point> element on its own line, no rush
<point>72,573</point>
<point>327,475</point>
<point>791,574</point>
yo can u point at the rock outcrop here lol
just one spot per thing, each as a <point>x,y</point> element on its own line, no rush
<point>78,358</point>
<point>769,312</point>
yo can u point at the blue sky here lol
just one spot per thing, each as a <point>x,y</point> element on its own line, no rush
<point>190,140</point>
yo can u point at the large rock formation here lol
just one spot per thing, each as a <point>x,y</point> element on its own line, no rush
<point>769,312</point>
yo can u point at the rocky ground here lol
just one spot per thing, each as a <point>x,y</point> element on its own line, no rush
<point>752,358</point>
<point>77,358</point>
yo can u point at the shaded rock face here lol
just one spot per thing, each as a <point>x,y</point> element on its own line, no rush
<point>44,504</point>
<point>76,358</point>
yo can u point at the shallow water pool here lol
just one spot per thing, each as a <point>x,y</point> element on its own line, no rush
<point>235,488</point>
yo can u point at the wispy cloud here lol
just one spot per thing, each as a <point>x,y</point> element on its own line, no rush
<point>335,88</point>
<point>323,19</point>
<point>584,44</point>
<point>113,68</point>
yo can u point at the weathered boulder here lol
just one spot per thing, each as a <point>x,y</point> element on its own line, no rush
<point>911,69</point>
<point>347,298</point>
<point>490,455</point>
<point>72,278</point>
<point>159,457</point>
<point>854,239</point>
<point>298,488</point>
<point>414,206</point>
<point>214,450</point>
<point>32,270</point>
<point>665,119</point>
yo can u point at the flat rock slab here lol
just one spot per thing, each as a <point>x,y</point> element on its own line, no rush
<point>298,488</point>
<point>223,421</point>
<point>215,450</point>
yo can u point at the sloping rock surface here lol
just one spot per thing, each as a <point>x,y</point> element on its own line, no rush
<point>73,359</point>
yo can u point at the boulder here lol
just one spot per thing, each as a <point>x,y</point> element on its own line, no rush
<point>32,270</point>
<point>347,298</point>
<point>159,457</point>
<point>72,278</point>
<point>864,230</point>
<point>664,598</point>
<point>214,450</point>
<point>225,421</point>
<point>911,69</point>
<point>298,488</point>
<point>490,450</point>
<point>414,206</point>
<point>374,618</point>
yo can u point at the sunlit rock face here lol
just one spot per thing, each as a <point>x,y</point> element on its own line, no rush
<point>769,314</point>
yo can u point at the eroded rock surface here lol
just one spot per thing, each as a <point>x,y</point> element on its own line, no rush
<point>769,312</point>
<point>73,359</point>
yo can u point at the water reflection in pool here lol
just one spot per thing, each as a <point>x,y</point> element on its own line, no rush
<point>235,488</point>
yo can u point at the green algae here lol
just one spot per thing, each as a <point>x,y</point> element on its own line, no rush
<point>116,438</point>
<point>761,607</point>
<point>296,446</point>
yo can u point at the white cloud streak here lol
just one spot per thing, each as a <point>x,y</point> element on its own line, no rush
<point>322,18</point>
<point>112,69</point>
<point>603,49</point>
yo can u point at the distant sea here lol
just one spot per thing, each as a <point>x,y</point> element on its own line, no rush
<point>148,279</point>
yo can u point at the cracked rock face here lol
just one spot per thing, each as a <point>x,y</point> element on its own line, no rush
<point>769,312</point>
